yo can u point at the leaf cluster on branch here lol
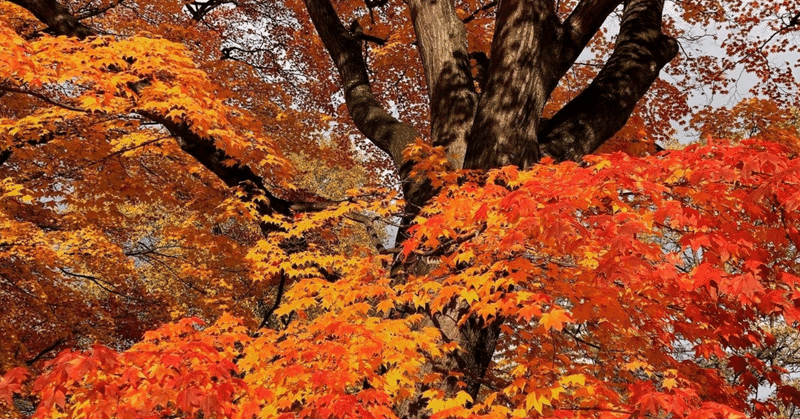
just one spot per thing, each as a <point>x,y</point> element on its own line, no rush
<point>242,166</point>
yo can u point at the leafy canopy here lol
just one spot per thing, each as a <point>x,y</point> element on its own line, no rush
<point>622,286</point>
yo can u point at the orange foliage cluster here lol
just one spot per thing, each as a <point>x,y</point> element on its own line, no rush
<point>622,286</point>
<point>625,286</point>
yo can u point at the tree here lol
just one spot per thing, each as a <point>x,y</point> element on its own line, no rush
<point>528,287</point>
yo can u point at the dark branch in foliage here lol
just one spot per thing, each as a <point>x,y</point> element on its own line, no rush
<point>485,8</point>
<point>198,9</point>
<point>358,32</point>
<point>278,297</point>
<point>45,351</point>
<point>56,16</point>
<point>97,11</point>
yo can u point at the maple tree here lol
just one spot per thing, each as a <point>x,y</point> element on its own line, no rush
<point>168,159</point>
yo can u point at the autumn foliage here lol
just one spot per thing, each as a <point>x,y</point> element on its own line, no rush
<point>626,286</point>
<point>189,236</point>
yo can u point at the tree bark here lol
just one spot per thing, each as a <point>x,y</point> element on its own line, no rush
<point>58,19</point>
<point>577,30</point>
<point>604,107</point>
<point>507,120</point>
<point>384,130</point>
<point>442,42</point>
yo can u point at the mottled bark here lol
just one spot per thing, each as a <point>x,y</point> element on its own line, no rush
<point>58,19</point>
<point>604,107</point>
<point>576,32</point>
<point>507,119</point>
<point>442,42</point>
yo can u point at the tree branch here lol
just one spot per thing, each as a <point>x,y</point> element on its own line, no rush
<point>385,131</point>
<point>276,303</point>
<point>95,11</point>
<point>43,98</point>
<point>473,15</point>
<point>199,10</point>
<point>207,154</point>
<point>56,16</point>
<point>45,351</point>
<point>603,108</point>
<point>579,28</point>
<point>201,148</point>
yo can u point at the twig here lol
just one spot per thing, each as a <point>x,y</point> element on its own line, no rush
<point>475,14</point>
<point>277,302</point>
<point>43,98</point>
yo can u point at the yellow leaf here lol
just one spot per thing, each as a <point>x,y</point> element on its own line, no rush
<point>534,400</point>
<point>385,305</point>
<point>669,383</point>
<point>578,379</point>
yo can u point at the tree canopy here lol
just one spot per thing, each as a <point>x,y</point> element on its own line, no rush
<point>196,200</point>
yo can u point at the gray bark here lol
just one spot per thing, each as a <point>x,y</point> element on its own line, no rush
<point>507,120</point>
<point>442,42</point>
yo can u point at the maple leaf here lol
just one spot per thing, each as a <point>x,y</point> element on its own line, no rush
<point>555,319</point>
<point>189,166</point>
<point>11,383</point>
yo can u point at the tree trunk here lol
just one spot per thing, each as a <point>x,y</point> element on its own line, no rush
<point>442,41</point>
<point>507,120</point>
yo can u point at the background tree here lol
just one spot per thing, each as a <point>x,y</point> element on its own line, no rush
<point>128,154</point>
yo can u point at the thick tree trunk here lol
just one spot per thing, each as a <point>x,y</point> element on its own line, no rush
<point>531,51</point>
<point>442,41</point>
<point>507,120</point>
